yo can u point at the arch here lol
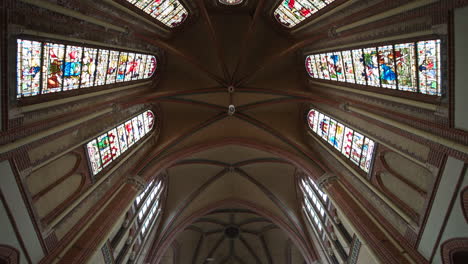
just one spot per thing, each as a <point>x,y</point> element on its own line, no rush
<point>312,167</point>
<point>9,255</point>
<point>233,202</point>
<point>454,250</point>
<point>149,169</point>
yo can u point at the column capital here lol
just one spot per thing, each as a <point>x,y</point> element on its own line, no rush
<point>326,180</point>
<point>137,182</point>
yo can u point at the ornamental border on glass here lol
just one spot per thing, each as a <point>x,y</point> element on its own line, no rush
<point>45,67</point>
<point>411,66</point>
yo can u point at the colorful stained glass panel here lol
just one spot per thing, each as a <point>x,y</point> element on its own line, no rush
<point>371,66</point>
<point>28,68</point>
<point>348,140</point>
<point>429,67</point>
<point>114,143</point>
<point>292,12</point>
<point>397,66</point>
<point>122,66</point>
<point>358,141</point>
<point>113,67</point>
<point>169,12</point>
<point>405,56</point>
<point>107,147</point>
<point>72,68</point>
<point>311,66</point>
<point>52,70</point>
<point>387,67</point>
<point>101,69</point>
<point>94,158</point>
<point>331,134</point>
<point>339,136</point>
<point>88,67</point>
<point>104,149</point>
<point>359,68</point>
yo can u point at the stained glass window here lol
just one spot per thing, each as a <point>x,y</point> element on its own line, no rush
<point>292,12</point>
<point>231,2</point>
<point>413,67</point>
<point>169,12</point>
<point>109,146</point>
<point>149,205</point>
<point>46,67</point>
<point>352,144</point>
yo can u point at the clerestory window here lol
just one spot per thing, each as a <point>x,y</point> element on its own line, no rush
<point>350,143</point>
<point>45,67</point>
<point>169,12</point>
<point>412,66</point>
<point>106,148</point>
<point>292,12</point>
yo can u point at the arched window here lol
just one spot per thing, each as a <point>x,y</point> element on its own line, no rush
<point>412,67</point>
<point>109,146</point>
<point>292,12</point>
<point>149,205</point>
<point>350,143</point>
<point>49,67</point>
<point>169,12</point>
<point>314,201</point>
<point>231,2</point>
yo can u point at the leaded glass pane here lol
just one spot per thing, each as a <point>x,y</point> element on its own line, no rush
<point>387,67</point>
<point>372,66</point>
<point>429,67</point>
<point>292,12</point>
<point>169,12</point>
<point>348,139</point>
<point>52,74</point>
<point>348,66</point>
<point>405,55</point>
<point>28,68</point>
<point>359,68</point>
<point>88,67</point>
<point>358,140</point>
<point>72,68</point>
<point>107,147</point>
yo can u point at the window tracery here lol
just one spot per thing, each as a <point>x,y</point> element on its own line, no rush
<point>50,67</point>
<point>292,12</point>
<point>350,143</point>
<point>169,12</point>
<point>109,146</point>
<point>412,67</point>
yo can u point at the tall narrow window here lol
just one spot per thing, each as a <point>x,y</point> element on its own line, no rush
<point>149,205</point>
<point>169,12</point>
<point>350,143</point>
<point>292,12</point>
<point>109,146</point>
<point>48,67</point>
<point>314,203</point>
<point>231,2</point>
<point>412,67</point>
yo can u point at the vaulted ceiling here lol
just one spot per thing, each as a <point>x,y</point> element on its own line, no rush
<point>225,162</point>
